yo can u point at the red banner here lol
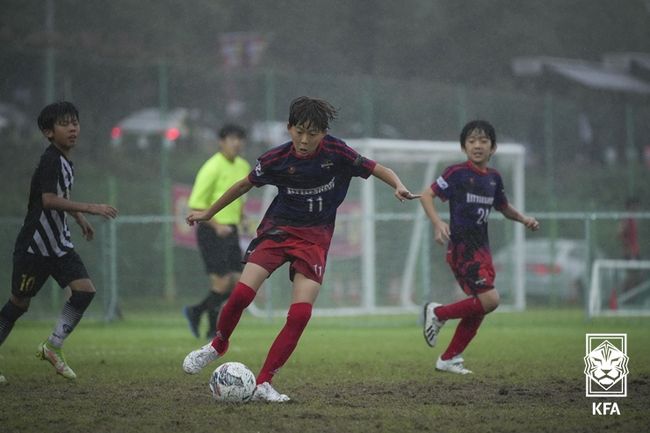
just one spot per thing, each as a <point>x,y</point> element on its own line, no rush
<point>184,235</point>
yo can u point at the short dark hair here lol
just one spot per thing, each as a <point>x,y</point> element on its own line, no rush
<point>54,112</point>
<point>478,125</point>
<point>313,111</point>
<point>231,129</point>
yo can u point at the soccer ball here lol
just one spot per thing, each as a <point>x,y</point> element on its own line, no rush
<point>232,382</point>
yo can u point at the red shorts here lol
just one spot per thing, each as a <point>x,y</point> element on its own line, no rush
<point>473,269</point>
<point>306,258</point>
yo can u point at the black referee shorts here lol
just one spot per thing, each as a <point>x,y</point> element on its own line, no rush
<point>221,255</point>
<point>31,271</point>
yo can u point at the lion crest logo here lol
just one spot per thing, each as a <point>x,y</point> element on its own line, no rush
<point>606,368</point>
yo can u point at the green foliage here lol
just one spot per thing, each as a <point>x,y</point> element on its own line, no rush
<point>415,38</point>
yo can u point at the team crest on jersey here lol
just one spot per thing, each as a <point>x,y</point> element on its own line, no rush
<point>291,170</point>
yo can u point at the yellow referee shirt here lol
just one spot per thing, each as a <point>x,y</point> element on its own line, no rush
<point>213,179</point>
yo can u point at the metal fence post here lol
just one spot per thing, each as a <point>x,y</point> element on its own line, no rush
<point>112,311</point>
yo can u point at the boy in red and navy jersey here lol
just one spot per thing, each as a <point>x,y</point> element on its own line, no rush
<point>310,189</point>
<point>312,173</point>
<point>472,189</point>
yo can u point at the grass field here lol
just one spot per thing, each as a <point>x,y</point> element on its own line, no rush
<point>370,374</point>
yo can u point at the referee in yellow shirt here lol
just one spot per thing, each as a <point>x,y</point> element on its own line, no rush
<point>218,239</point>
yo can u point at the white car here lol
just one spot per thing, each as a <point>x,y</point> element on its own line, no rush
<point>555,268</point>
<point>150,127</point>
<point>12,120</point>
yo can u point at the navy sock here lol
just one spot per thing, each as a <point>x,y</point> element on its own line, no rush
<point>8,316</point>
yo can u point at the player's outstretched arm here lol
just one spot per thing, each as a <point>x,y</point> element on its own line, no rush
<point>391,178</point>
<point>53,201</point>
<point>233,193</point>
<point>513,214</point>
<point>442,231</point>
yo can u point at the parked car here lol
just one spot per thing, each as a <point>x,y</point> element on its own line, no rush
<point>269,133</point>
<point>13,122</point>
<point>149,127</point>
<point>553,268</point>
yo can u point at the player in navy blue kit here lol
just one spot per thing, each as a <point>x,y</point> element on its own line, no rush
<point>312,173</point>
<point>472,189</point>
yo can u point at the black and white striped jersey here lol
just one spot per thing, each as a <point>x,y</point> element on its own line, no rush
<point>45,231</point>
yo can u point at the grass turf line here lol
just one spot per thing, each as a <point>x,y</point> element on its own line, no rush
<point>348,374</point>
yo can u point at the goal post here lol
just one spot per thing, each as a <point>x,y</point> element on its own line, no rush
<point>383,259</point>
<point>619,288</point>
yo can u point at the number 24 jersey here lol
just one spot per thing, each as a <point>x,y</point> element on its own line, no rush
<point>471,193</point>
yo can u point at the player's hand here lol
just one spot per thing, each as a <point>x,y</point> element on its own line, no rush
<point>443,233</point>
<point>86,229</point>
<point>196,217</point>
<point>88,232</point>
<point>105,210</point>
<point>401,193</point>
<point>531,223</point>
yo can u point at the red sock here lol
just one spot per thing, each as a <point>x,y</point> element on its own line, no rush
<point>465,331</point>
<point>286,341</point>
<point>466,308</point>
<point>239,299</point>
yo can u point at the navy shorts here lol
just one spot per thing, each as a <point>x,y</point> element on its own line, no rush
<point>31,271</point>
<point>221,255</point>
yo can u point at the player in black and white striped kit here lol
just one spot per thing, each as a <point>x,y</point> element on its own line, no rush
<point>44,247</point>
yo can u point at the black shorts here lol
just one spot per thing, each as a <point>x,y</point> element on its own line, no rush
<point>31,271</point>
<point>221,255</point>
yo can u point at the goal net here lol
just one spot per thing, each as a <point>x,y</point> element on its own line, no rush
<point>619,288</point>
<point>383,258</point>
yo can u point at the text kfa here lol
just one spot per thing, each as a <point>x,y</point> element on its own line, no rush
<point>605,408</point>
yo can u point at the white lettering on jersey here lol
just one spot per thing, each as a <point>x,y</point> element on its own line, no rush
<point>312,191</point>
<point>473,198</point>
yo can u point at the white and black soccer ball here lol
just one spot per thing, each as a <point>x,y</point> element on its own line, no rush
<point>232,382</point>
